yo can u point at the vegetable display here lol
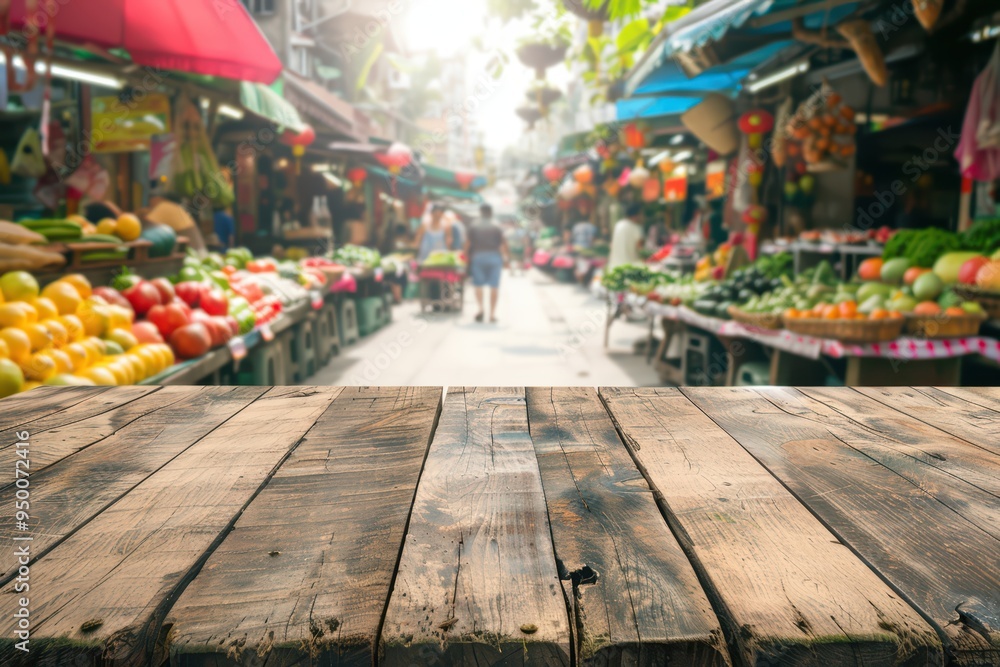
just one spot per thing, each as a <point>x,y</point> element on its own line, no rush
<point>360,256</point>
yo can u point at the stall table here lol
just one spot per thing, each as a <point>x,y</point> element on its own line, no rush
<point>547,526</point>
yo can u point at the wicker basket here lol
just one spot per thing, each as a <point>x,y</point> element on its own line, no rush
<point>944,326</point>
<point>761,320</point>
<point>848,331</point>
<point>990,301</point>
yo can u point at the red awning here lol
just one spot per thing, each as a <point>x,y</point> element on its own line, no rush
<point>211,37</point>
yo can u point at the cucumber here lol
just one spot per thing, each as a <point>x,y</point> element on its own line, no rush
<point>48,223</point>
<point>101,238</point>
<point>104,255</point>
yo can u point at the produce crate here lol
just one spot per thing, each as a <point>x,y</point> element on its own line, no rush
<point>761,320</point>
<point>990,301</point>
<point>944,326</point>
<point>371,314</point>
<point>861,332</point>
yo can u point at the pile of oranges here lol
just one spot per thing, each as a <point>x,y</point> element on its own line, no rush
<point>66,335</point>
<point>845,310</point>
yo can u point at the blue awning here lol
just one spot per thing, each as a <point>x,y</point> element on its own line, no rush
<point>713,20</point>
<point>650,107</point>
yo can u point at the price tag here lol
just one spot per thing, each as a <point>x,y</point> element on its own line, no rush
<point>317,299</point>
<point>266,333</point>
<point>238,348</point>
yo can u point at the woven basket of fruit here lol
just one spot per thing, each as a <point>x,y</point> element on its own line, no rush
<point>944,324</point>
<point>853,330</point>
<point>761,320</point>
<point>990,301</point>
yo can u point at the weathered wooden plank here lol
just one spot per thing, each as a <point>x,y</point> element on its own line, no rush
<point>960,417</point>
<point>109,584</point>
<point>305,575</point>
<point>40,401</point>
<point>987,397</point>
<point>785,588</point>
<point>477,580</point>
<point>130,443</point>
<point>636,598</point>
<point>964,477</point>
<point>40,410</point>
<point>59,436</point>
<point>933,555</point>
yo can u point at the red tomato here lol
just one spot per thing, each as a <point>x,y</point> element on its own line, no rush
<point>168,318</point>
<point>199,315</point>
<point>112,296</point>
<point>146,332</point>
<point>165,288</point>
<point>142,296</point>
<point>218,328</point>
<point>234,326</point>
<point>191,341</point>
<point>214,302</point>
<point>190,292</point>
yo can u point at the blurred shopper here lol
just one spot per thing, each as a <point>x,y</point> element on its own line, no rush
<point>487,251</point>
<point>518,243</point>
<point>627,238</point>
<point>434,234</point>
<point>583,235</point>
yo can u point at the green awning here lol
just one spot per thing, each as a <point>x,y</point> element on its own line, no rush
<point>268,103</point>
<point>451,193</point>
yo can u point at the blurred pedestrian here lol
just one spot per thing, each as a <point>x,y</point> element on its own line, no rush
<point>487,251</point>
<point>583,235</point>
<point>433,234</point>
<point>627,238</point>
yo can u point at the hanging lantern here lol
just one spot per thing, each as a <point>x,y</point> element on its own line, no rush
<point>666,166</point>
<point>755,124</point>
<point>754,217</point>
<point>552,173</point>
<point>464,179</point>
<point>634,136</point>
<point>298,141</point>
<point>395,158</point>
<point>651,190</point>
<point>611,187</point>
<point>357,176</point>
<point>623,180</point>
<point>638,177</point>
<point>755,173</point>
<point>583,174</point>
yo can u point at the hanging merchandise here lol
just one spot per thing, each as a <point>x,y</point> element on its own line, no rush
<point>638,176</point>
<point>552,173</point>
<point>569,190</point>
<point>927,12</point>
<point>862,40</point>
<point>713,120</point>
<point>28,160</point>
<point>978,152</point>
<point>583,174</point>
<point>197,174</point>
<point>820,136</point>
<point>755,124</point>
<point>715,179</point>
<point>779,145</point>
<point>651,190</point>
<point>675,187</point>
<point>634,136</point>
<point>90,181</point>
<point>4,168</point>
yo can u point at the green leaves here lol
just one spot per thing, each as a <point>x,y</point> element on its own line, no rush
<point>634,36</point>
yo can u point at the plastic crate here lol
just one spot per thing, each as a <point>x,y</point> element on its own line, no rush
<point>303,351</point>
<point>753,374</point>
<point>371,314</point>
<point>348,322</point>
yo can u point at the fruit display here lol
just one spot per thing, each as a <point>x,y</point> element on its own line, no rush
<point>66,334</point>
<point>713,267</point>
<point>634,277</point>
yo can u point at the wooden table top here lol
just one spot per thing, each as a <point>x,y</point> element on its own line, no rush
<point>542,526</point>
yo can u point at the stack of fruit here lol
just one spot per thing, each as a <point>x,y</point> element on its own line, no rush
<point>713,267</point>
<point>69,334</point>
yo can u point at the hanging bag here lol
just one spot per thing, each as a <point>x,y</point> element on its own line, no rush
<point>988,128</point>
<point>28,159</point>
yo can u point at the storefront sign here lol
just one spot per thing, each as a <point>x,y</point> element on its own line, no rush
<point>715,180</point>
<point>124,125</point>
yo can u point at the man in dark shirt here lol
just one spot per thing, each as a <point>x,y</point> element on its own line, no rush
<point>487,252</point>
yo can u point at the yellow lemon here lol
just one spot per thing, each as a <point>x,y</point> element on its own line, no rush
<point>64,295</point>
<point>39,336</point>
<point>11,378</point>
<point>18,344</point>
<point>123,337</point>
<point>74,327</point>
<point>62,360</point>
<point>39,368</point>
<point>101,376</point>
<point>45,308</point>
<point>94,316</point>
<point>11,315</point>
<point>128,228</point>
<point>4,350</point>
<point>60,336</point>
<point>108,226</point>
<point>80,282</point>
<point>78,355</point>
<point>122,371</point>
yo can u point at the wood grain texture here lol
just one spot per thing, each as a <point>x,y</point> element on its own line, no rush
<point>636,598</point>
<point>41,410</point>
<point>108,585</point>
<point>932,554</point>
<point>477,580</point>
<point>304,576</point>
<point>960,417</point>
<point>130,443</point>
<point>786,589</point>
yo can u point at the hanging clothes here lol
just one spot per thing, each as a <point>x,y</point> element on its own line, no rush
<point>978,152</point>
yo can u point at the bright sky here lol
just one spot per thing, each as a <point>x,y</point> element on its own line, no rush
<point>448,27</point>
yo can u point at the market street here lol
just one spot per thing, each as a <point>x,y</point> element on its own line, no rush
<point>549,333</point>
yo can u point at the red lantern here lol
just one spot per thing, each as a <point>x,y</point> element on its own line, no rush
<point>583,174</point>
<point>395,158</point>
<point>634,136</point>
<point>357,176</point>
<point>464,179</point>
<point>552,173</point>
<point>298,141</point>
<point>755,124</point>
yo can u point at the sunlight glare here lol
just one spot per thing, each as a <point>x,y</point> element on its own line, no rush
<point>445,27</point>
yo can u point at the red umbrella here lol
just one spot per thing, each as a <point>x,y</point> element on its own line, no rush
<point>213,37</point>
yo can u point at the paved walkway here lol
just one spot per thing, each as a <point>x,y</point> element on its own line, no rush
<point>549,334</point>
